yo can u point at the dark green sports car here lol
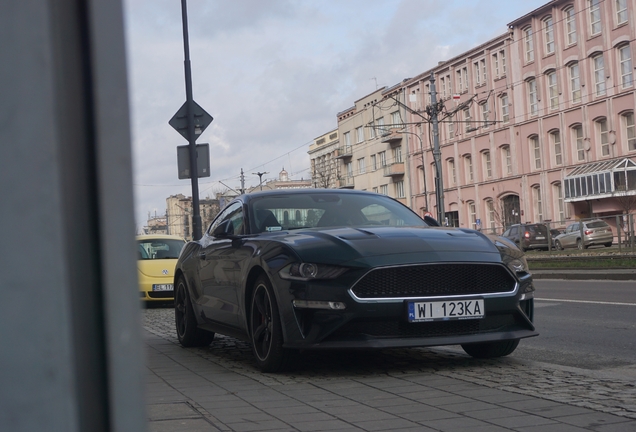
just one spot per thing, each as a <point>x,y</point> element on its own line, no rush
<point>294,270</point>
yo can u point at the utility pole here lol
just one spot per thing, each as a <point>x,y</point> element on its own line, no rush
<point>439,179</point>
<point>242,182</point>
<point>260,178</point>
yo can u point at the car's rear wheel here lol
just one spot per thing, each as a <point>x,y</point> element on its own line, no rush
<point>608,244</point>
<point>580,245</point>
<point>491,349</point>
<point>188,333</point>
<point>557,245</point>
<point>265,329</point>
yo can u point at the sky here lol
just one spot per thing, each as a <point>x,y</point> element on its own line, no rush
<point>274,74</point>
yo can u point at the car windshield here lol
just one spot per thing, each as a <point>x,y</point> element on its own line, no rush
<point>312,210</point>
<point>159,248</point>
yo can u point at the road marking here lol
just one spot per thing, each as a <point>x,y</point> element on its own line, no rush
<point>586,301</point>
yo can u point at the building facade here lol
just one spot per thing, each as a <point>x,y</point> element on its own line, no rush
<point>179,214</point>
<point>325,166</point>
<point>536,125</point>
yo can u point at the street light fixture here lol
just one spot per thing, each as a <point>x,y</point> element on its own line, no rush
<point>260,178</point>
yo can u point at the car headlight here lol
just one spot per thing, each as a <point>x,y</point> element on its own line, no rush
<point>518,265</point>
<point>309,271</point>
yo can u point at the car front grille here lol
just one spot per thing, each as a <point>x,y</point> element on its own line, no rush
<point>434,280</point>
<point>161,294</point>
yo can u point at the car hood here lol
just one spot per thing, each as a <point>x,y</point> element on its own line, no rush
<point>157,267</point>
<point>372,246</point>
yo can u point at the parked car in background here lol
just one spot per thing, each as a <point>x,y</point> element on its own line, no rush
<point>595,232</point>
<point>156,259</point>
<point>528,236</point>
<point>555,232</point>
<point>298,270</point>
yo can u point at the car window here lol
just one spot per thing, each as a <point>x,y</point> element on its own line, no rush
<point>293,211</point>
<point>506,233</point>
<point>514,231</point>
<point>159,248</point>
<point>233,212</point>
<point>597,224</point>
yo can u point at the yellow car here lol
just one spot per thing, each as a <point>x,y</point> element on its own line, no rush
<point>157,257</point>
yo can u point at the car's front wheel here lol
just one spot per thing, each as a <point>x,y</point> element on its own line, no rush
<point>491,349</point>
<point>265,329</point>
<point>557,245</point>
<point>188,333</point>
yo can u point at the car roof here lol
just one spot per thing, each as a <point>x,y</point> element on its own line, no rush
<point>313,191</point>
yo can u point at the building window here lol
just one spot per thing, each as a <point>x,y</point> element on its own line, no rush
<point>575,83</point>
<point>442,81</point>
<point>359,134</point>
<point>595,17</point>
<point>487,165</point>
<point>532,97</point>
<point>451,127</point>
<point>396,120</point>
<point>468,163</point>
<point>529,44</point>
<point>397,154</point>
<point>465,77</point>
<point>599,74</point>
<point>495,64</point>
<point>374,163</point>
<point>506,158</point>
<point>491,214</point>
<point>505,115</point>
<point>452,175</point>
<point>467,120</point>
<point>361,166</point>
<point>577,132</point>
<point>630,130</point>
<point>460,82</point>
<point>553,90</point>
<point>349,168</point>
<point>384,189</point>
<point>548,34</point>
<point>480,72</point>
<point>556,145</point>
<point>485,111</point>
<point>502,57</point>
<point>535,147</point>
<point>346,137</point>
<point>621,11</point>
<point>603,136</point>
<point>371,128</point>
<point>399,189</point>
<point>382,159</point>
<point>559,205</point>
<point>472,215</point>
<point>538,208</point>
<point>380,125</point>
<point>625,57</point>
<point>570,25</point>
<point>375,189</point>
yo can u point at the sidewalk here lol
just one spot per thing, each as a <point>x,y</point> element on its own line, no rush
<point>218,389</point>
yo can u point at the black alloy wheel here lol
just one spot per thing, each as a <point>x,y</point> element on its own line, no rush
<point>265,329</point>
<point>486,350</point>
<point>188,333</point>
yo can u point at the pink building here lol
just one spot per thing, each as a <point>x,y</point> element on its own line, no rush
<point>537,124</point>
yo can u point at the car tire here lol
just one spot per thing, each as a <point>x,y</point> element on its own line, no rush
<point>608,244</point>
<point>557,245</point>
<point>188,333</point>
<point>580,245</point>
<point>266,332</point>
<point>491,349</point>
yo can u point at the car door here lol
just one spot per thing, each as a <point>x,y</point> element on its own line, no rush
<point>219,267</point>
<point>571,234</point>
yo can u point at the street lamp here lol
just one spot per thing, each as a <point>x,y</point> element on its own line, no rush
<point>260,178</point>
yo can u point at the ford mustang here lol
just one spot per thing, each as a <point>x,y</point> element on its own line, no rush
<point>298,270</point>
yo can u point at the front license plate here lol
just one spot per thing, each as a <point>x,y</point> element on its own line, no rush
<point>445,310</point>
<point>162,287</point>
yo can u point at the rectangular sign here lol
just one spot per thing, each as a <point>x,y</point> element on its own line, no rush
<point>203,161</point>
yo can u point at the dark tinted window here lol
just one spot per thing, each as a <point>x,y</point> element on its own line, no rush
<point>597,224</point>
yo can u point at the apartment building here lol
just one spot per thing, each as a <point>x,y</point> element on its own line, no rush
<point>537,124</point>
<point>179,214</point>
<point>325,166</point>
<point>370,151</point>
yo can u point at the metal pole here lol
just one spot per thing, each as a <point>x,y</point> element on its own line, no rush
<point>194,172</point>
<point>439,182</point>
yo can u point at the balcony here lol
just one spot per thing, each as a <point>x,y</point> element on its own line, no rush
<point>344,152</point>
<point>345,182</point>
<point>393,138</point>
<point>395,169</point>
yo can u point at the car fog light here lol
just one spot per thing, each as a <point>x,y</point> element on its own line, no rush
<point>312,304</point>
